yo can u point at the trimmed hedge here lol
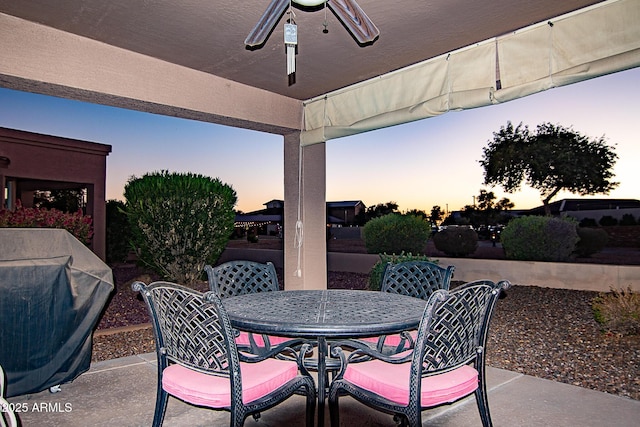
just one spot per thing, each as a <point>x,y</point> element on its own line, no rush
<point>395,233</point>
<point>592,240</point>
<point>180,222</point>
<point>118,236</point>
<point>78,224</point>
<point>539,238</point>
<point>456,241</point>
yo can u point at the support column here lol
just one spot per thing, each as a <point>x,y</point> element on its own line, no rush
<point>2,190</point>
<point>305,183</point>
<point>97,208</point>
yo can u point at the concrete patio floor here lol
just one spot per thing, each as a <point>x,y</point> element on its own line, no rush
<point>121,392</point>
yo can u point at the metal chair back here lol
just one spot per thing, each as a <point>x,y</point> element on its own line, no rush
<point>242,277</point>
<point>418,279</point>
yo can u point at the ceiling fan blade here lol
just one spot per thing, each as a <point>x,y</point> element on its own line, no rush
<point>356,21</point>
<point>267,22</point>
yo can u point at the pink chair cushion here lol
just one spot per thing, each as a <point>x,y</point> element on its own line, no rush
<point>391,340</point>
<point>258,380</point>
<point>243,339</point>
<point>392,382</point>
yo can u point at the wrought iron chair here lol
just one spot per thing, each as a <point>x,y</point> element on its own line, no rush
<point>418,279</point>
<point>446,364</point>
<point>7,415</point>
<point>241,277</point>
<point>199,363</point>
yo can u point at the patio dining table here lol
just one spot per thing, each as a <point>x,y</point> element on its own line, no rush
<point>320,316</point>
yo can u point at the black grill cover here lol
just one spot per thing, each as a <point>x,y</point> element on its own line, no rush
<point>52,292</point>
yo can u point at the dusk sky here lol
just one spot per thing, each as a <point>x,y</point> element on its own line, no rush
<point>417,165</point>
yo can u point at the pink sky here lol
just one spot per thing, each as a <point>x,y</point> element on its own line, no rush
<point>417,165</point>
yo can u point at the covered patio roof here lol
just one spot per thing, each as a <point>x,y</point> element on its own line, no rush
<point>188,59</point>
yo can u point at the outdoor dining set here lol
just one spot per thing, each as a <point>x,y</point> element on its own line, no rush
<point>245,345</point>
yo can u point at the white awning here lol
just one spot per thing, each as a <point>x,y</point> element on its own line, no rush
<point>588,43</point>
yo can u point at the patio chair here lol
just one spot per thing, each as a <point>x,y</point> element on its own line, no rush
<point>241,277</point>
<point>418,279</point>
<point>234,278</point>
<point>199,363</point>
<point>446,364</point>
<point>7,415</point>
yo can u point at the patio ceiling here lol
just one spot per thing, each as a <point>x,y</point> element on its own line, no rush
<point>186,47</point>
<point>208,35</point>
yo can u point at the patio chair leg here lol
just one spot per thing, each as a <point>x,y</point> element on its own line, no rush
<point>334,409</point>
<point>483,407</point>
<point>311,407</point>
<point>161,407</point>
<point>402,420</point>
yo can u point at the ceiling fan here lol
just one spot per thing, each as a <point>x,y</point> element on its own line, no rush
<point>347,11</point>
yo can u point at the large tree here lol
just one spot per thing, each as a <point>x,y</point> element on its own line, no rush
<point>436,214</point>
<point>551,159</point>
<point>487,211</point>
<point>381,209</point>
<point>417,212</point>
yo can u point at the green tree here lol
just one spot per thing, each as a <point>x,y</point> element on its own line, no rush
<point>436,215</point>
<point>396,233</point>
<point>381,209</point>
<point>551,159</point>
<point>417,212</point>
<point>118,232</point>
<point>487,211</point>
<point>179,221</point>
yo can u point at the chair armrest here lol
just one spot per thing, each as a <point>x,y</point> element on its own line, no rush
<point>285,350</point>
<point>406,343</point>
<point>282,351</point>
<point>362,352</point>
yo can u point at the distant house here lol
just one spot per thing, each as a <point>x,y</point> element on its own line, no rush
<point>346,213</point>
<point>274,206</point>
<point>590,208</point>
<point>264,221</point>
<point>270,219</point>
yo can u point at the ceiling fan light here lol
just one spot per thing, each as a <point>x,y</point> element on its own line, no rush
<point>309,3</point>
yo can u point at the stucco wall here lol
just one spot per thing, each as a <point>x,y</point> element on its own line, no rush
<point>588,277</point>
<point>48,159</point>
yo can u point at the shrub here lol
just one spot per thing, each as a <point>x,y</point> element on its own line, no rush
<point>456,241</point>
<point>118,232</point>
<point>588,222</point>
<point>628,219</point>
<point>252,236</point>
<point>396,233</point>
<point>607,221</point>
<point>618,311</point>
<point>79,225</point>
<point>180,222</point>
<point>375,276</point>
<point>592,240</point>
<point>539,238</point>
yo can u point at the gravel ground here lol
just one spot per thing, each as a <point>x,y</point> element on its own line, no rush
<point>547,333</point>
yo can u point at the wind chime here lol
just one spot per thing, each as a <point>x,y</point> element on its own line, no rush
<point>291,35</point>
<point>291,44</point>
